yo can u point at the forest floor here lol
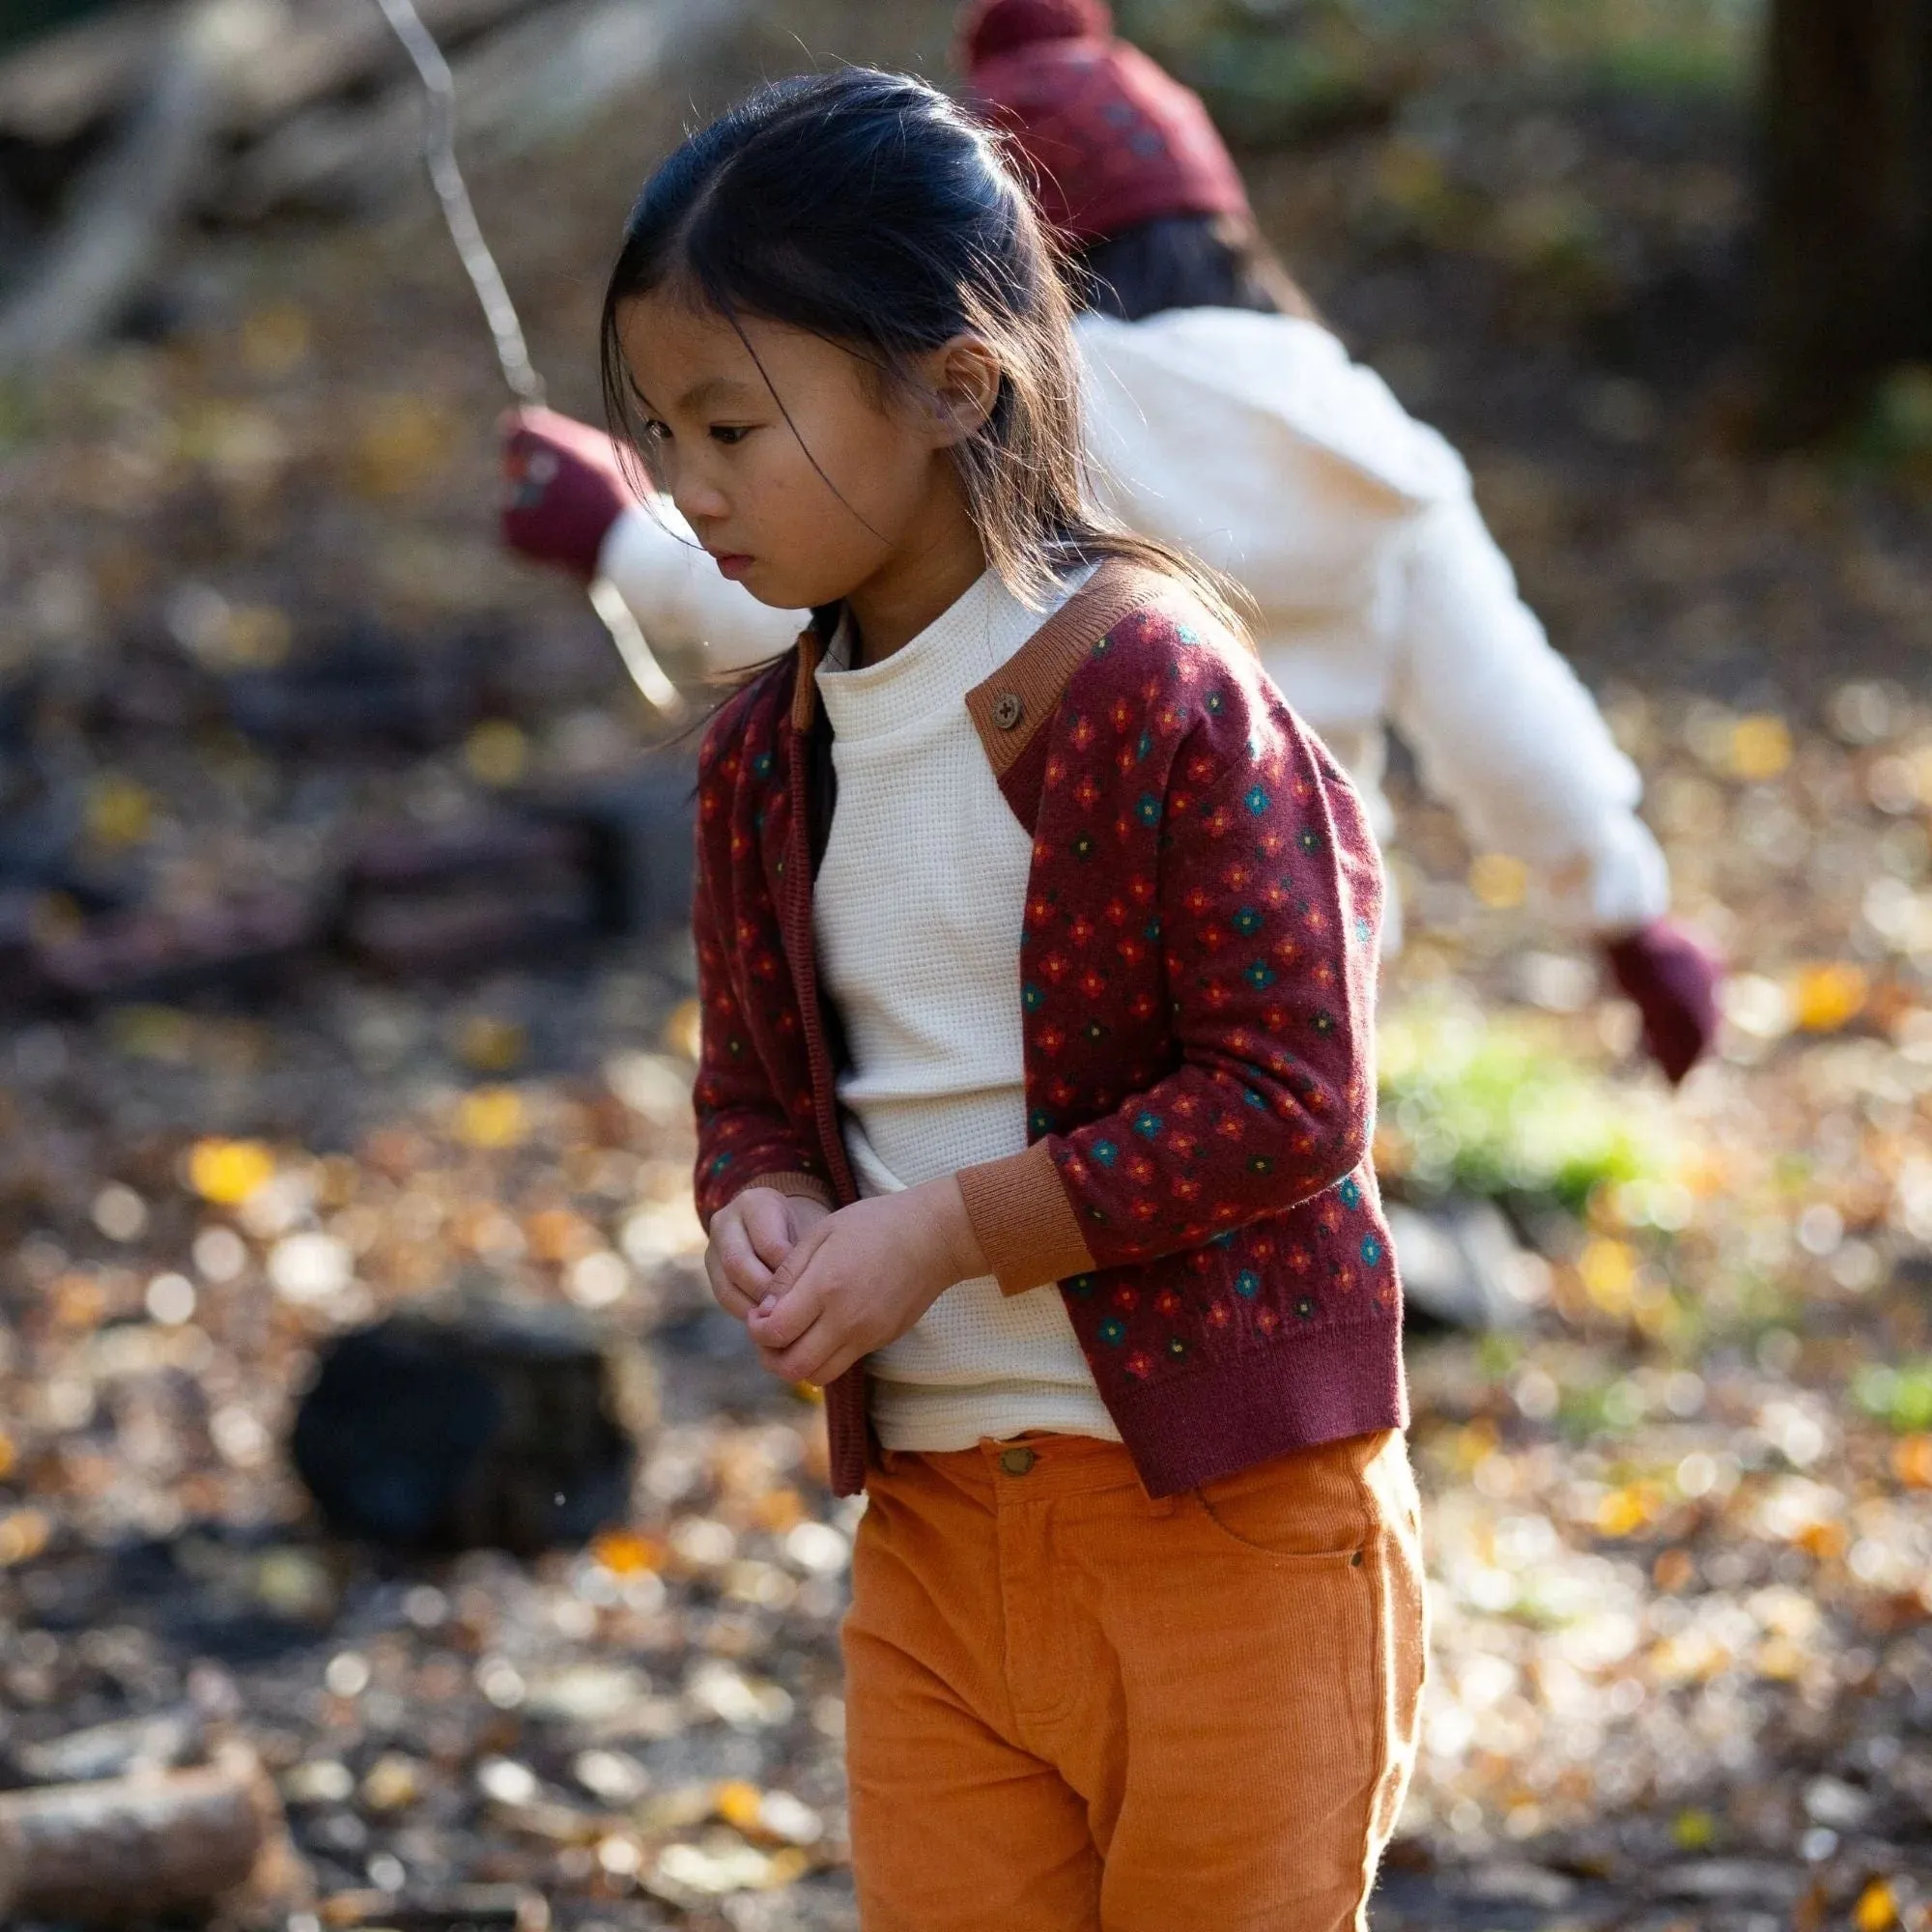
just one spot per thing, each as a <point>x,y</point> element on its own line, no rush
<point>1680,1523</point>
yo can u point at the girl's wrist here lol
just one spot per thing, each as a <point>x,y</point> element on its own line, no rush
<point>954,1225</point>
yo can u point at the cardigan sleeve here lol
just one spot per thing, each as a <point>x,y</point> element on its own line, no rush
<point>1270,900</point>
<point>1505,732</point>
<point>681,602</point>
<point>745,1138</point>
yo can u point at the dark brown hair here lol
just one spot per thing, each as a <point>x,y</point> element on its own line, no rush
<point>872,210</point>
<point>1186,261</point>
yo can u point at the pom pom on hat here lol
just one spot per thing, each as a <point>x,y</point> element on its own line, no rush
<point>994,27</point>
<point>1110,138</point>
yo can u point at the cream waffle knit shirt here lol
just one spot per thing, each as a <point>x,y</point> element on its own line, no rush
<point>916,913</point>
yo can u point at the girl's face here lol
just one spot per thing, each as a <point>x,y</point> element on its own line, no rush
<point>804,502</point>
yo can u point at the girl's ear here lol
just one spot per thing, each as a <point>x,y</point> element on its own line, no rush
<point>962,386</point>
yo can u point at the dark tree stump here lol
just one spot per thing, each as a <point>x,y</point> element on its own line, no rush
<point>1848,228</point>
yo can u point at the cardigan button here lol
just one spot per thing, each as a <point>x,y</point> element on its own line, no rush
<point>1019,1461</point>
<point>1009,710</point>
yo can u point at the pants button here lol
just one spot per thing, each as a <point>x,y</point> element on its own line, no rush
<point>1017,1461</point>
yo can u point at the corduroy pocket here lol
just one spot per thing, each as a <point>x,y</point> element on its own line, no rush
<point>1309,1506</point>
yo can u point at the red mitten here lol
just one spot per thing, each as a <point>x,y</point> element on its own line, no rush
<point>565,488</point>
<point>1673,982</point>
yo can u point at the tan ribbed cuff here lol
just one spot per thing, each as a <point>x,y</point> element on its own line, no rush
<point>1023,1220</point>
<point>808,1186</point>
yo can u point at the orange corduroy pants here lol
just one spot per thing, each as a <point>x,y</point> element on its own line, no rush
<point>1074,1709</point>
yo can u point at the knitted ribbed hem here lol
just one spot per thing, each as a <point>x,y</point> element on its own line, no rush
<point>1023,1220</point>
<point>1302,1390</point>
<point>1296,1393</point>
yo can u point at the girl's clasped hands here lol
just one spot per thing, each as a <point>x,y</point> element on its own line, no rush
<point>818,1289</point>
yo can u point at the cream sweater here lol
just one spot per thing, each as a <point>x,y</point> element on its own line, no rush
<point>1253,440</point>
<point>917,914</point>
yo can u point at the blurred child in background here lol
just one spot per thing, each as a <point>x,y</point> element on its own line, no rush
<point>1224,418</point>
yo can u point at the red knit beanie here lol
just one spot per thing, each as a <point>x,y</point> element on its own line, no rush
<point>1114,139</point>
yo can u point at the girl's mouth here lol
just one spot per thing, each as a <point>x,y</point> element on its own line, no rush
<point>734,564</point>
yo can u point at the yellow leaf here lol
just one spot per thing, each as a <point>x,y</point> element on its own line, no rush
<point>497,752</point>
<point>489,1046</point>
<point>788,1864</point>
<point>1826,997</point>
<point>1622,1513</point>
<point>1498,880</point>
<point>23,1535</point>
<point>777,1510</point>
<point>1760,747</point>
<point>1610,1273</point>
<point>738,1803</point>
<point>1911,1461</point>
<point>490,1117</point>
<point>228,1171</point>
<point>625,1554</point>
<point>118,811</point>
<point>1877,1909</point>
<point>1694,1831</point>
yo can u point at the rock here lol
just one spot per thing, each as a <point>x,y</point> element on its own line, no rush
<point>466,1428</point>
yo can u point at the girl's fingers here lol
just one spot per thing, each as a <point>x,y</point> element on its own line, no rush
<point>767,1224</point>
<point>787,1276</point>
<point>834,1365</point>
<point>742,1267</point>
<point>804,1360</point>
<point>724,1291</point>
<point>786,1320</point>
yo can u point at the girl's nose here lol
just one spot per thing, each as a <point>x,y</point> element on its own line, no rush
<point>699,500</point>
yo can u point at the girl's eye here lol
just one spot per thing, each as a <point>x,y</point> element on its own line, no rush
<point>654,432</point>
<point>730,433</point>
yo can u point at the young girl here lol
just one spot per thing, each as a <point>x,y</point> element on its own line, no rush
<point>1224,418</point>
<point>1036,942</point>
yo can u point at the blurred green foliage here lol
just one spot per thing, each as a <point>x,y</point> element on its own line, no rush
<point>1894,436</point>
<point>1282,69</point>
<point>1488,1104</point>
<point>1897,1394</point>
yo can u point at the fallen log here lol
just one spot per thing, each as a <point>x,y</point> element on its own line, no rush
<point>120,1849</point>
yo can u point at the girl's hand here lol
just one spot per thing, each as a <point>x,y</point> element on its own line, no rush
<point>862,1277</point>
<point>751,1236</point>
<point>564,489</point>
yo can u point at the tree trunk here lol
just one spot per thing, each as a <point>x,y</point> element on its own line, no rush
<point>1848,242</point>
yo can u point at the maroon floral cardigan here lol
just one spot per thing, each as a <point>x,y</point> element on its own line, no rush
<point>1197,976</point>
